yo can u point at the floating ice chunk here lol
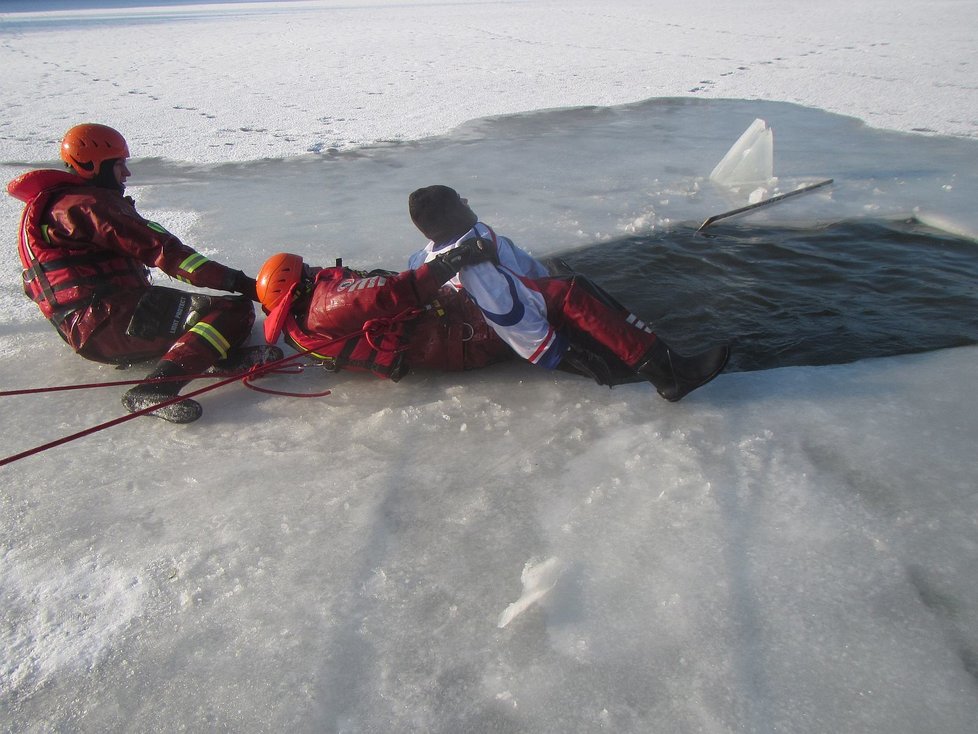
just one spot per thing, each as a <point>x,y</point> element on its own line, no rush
<point>757,195</point>
<point>538,579</point>
<point>750,161</point>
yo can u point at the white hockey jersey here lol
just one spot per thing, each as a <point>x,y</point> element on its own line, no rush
<point>505,294</point>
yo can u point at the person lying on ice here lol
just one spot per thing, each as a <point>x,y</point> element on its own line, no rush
<point>86,254</point>
<point>388,323</point>
<point>551,321</point>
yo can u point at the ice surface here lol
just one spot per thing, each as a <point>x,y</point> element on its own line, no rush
<point>786,550</point>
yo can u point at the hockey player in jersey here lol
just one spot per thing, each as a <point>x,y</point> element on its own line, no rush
<point>380,322</point>
<point>553,321</point>
<point>86,254</point>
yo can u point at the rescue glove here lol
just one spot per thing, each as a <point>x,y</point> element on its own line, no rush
<point>472,251</point>
<point>241,283</point>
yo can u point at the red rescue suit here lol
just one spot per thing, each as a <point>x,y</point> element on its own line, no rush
<point>86,253</point>
<point>387,323</point>
<point>394,321</point>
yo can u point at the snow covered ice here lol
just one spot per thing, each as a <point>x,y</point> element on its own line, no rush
<point>788,550</point>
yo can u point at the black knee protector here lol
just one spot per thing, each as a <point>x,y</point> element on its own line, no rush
<point>166,312</point>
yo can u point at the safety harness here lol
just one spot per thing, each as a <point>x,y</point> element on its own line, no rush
<point>378,349</point>
<point>57,278</point>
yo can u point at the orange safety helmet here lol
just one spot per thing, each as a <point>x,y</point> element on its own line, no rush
<point>85,147</point>
<point>277,276</point>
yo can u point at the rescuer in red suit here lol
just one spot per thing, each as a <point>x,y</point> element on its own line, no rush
<point>86,254</point>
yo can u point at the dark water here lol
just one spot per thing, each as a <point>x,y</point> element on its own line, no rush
<point>784,284</point>
<point>793,296</point>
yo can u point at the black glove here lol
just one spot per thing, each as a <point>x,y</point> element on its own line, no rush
<point>241,283</point>
<point>472,251</point>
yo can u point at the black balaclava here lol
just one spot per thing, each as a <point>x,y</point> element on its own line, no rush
<point>105,178</point>
<point>440,213</point>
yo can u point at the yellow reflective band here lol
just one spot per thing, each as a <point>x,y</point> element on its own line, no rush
<point>213,337</point>
<point>193,262</point>
<point>156,227</point>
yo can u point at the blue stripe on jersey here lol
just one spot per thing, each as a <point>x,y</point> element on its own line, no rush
<point>552,357</point>
<point>515,314</point>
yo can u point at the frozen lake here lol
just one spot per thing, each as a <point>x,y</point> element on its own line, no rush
<point>788,549</point>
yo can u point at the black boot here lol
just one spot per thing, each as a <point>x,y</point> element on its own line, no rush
<point>674,375</point>
<point>585,362</point>
<point>152,393</point>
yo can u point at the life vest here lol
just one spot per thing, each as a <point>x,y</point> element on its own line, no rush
<point>377,352</point>
<point>59,277</point>
<point>377,348</point>
<point>446,333</point>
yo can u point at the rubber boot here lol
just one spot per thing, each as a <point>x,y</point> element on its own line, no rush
<point>674,375</point>
<point>152,393</point>
<point>585,362</point>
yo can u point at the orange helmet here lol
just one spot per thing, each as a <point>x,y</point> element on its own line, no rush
<point>86,146</point>
<point>279,273</point>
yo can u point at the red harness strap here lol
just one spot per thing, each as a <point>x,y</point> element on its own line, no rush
<point>60,279</point>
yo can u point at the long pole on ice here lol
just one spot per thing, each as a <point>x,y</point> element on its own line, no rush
<point>757,205</point>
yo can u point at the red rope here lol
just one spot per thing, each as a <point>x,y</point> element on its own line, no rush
<point>114,422</point>
<point>245,377</point>
<point>248,381</point>
<point>114,383</point>
<point>380,327</point>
